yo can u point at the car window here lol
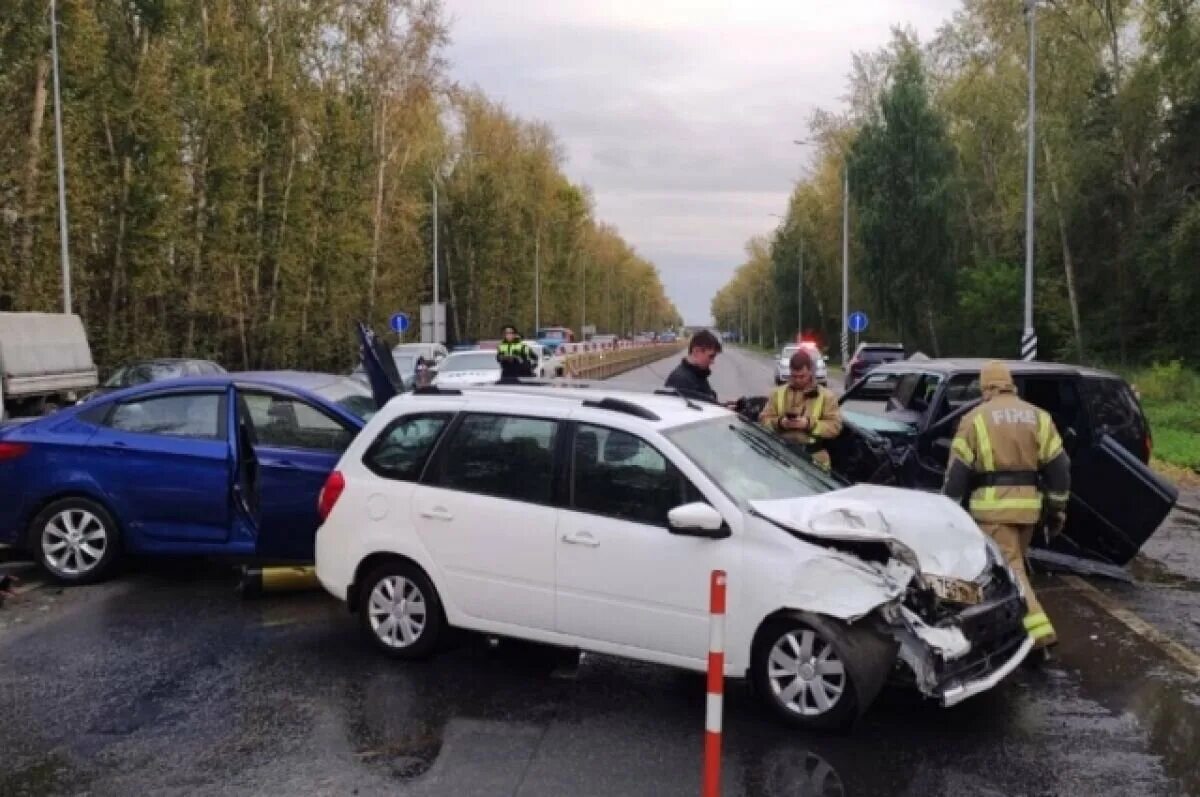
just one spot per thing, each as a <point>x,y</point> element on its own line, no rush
<point>915,391</point>
<point>286,422</point>
<point>961,390</point>
<point>1056,395</point>
<point>501,455</point>
<point>401,450</point>
<point>619,475</point>
<point>192,415</point>
<point>1113,406</point>
<point>481,361</point>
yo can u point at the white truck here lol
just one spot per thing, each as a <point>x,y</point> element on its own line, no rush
<point>45,363</point>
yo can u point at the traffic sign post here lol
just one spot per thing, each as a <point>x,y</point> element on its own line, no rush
<point>399,323</point>
<point>857,322</point>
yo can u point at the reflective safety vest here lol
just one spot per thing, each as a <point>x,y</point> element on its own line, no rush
<point>517,348</point>
<point>1006,442</point>
<point>814,409</point>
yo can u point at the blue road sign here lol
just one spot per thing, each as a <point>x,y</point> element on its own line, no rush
<point>857,321</point>
<point>399,323</point>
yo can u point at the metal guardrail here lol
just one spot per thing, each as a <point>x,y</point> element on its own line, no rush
<point>601,364</point>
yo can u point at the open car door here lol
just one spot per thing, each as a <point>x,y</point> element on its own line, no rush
<point>1116,503</point>
<point>382,374</point>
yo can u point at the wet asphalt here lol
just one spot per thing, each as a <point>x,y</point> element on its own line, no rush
<point>166,681</point>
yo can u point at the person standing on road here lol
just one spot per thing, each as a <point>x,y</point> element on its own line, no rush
<point>802,412</point>
<point>514,355</point>
<point>690,377</point>
<point>1006,453</point>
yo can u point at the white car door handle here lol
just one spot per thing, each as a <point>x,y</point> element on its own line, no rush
<point>581,538</point>
<point>437,513</point>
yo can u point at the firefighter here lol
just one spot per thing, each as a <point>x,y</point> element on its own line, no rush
<point>1008,455</point>
<point>514,355</point>
<point>802,412</point>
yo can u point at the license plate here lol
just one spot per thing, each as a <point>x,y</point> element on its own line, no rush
<point>955,590</point>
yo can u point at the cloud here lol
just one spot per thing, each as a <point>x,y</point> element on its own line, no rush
<point>679,114</point>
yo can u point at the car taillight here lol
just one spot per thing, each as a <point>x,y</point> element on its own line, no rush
<point>13,450</point>
<point>330,494</point>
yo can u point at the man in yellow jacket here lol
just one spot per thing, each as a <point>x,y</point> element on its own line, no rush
<point>803,412</point>
<point>1007,454</point>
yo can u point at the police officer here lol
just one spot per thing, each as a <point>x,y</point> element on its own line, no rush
<point>1007,453</point>
<point>514,355</point>
<point>802,412</point>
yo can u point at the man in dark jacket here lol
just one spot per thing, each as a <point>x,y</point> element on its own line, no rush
<point>690,377</point>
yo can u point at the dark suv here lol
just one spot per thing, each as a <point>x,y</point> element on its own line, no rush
<point>901,418</point>
<point>869,355</point>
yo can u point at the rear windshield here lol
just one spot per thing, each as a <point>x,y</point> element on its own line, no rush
<point>1114,409</point>
<point>351,395</point>
<point>881,355</point>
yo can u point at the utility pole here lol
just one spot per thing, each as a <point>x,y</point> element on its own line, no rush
<point>845,261</point>
<point>62,182</point>
<point>800,292</point>
<point>1029,337</point>
<point>537,285</point>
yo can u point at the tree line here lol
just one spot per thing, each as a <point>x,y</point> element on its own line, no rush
<point>934,148</point>
<point>246,177</point>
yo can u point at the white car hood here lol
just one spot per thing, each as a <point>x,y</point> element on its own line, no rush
<point>945,539</point>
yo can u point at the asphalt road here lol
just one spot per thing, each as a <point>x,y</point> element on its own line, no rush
<point>166,682</point>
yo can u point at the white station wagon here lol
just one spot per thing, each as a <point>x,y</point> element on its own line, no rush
<point>593,518</point>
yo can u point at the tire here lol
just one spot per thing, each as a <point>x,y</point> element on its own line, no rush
<point>417,623</point>
<point>817,674</point>
<point>75,540</point>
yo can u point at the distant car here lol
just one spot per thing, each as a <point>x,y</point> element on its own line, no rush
<point>468,368</point>
<point>220,465</point>
<point>160,369</point>
<point>432,352</point>
<point>869,355</point>
<point>900,420</point>
<point>593,519</point>
<point>406,366</point>
<point>783,371</point>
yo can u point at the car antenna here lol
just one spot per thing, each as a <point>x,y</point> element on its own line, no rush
<point>673,392</point>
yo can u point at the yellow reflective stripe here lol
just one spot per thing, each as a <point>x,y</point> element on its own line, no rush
<point>963,451</point>
<point>781,402</point>
<point>1041,632</point>
<point>987,504</point>
<point>985,445</point>
<point>818,408</point>
<point>1034,620</point>
<point>1049,442</point>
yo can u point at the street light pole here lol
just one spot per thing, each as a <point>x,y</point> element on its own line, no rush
<point>845,261</point>
<point>1029,338</point>
<point>62,183</point>
<point>434,183</point>
<point>800,291</point>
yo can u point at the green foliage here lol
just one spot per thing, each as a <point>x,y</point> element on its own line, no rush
<point>247,177</point>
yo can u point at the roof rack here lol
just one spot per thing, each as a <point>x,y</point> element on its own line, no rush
<point>673,392</point>
<point>621,405</point>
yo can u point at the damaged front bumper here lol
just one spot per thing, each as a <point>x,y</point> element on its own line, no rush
<point>966,654</point>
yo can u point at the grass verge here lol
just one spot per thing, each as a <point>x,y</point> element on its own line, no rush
<point>1170,396</point>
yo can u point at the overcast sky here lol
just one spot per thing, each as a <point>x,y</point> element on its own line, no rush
<point>679,114</point>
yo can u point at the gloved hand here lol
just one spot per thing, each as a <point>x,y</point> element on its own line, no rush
<point>1055,523</point>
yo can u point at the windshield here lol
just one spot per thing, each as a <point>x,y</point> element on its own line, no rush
<point>481,361</point>
<point>748,463</point>
<point>144,373</point>
<point>350,395</point>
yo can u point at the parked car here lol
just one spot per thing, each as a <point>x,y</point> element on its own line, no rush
<point>143,372</point>
<point>432,352</point>
<point>593,519</point>
<point>902,416</point>
<point>225,465</point>
<point>869,355</point>
<point>468,368</point>
<point>783,371</point>
<point>45,363</point>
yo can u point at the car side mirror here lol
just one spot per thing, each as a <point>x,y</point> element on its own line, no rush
<point>697,520</point>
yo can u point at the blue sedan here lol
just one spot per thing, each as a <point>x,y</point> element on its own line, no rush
<point>229,465</point>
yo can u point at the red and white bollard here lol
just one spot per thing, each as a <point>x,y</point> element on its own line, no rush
<point>716,685</point>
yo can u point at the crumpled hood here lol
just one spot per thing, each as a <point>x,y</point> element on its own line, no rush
<point>945,539</point>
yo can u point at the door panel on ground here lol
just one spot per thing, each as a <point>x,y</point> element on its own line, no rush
<point>485,513</point>
<point>622,576</point>
<point>170,473</point>
<point>296,445</point>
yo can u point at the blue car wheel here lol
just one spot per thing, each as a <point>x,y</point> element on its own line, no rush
<point>75,540</point>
